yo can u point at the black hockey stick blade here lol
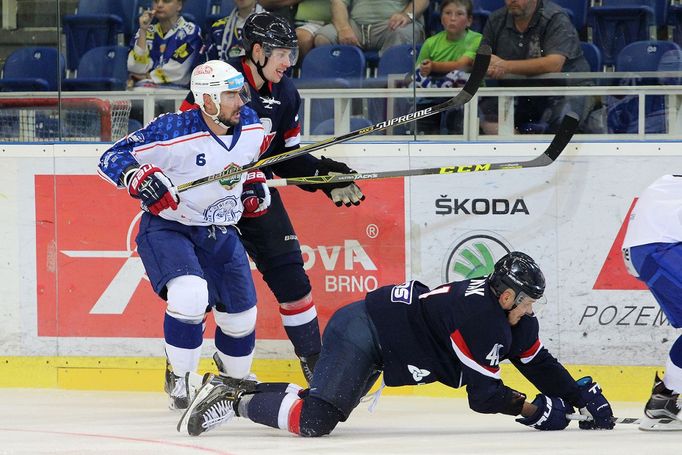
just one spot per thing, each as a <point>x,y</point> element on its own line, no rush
<point>559,142</point>
<point>627,420</point>
<point>478,72</point>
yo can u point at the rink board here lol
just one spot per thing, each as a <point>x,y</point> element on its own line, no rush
<point>73,287</point>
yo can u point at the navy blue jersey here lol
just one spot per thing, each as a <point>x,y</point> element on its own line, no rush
<point>277,106</point>
<point>458,334</point>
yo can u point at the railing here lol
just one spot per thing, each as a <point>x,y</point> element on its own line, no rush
<point>343,101</point>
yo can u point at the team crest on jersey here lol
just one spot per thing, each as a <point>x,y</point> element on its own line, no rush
<point>418,373</point>
<point>223,211</point>
<point>268,103</point>
<point>230,182</point>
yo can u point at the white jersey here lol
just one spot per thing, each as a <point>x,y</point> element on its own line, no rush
<point>657,216</point>
<point>184,148</point>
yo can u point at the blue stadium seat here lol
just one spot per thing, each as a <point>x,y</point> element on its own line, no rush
<point>225,7</point>
<point>96,23</point>
<point>101,68</point>
<point>331,66</point>
<point>618,23</point>
<point>482,9</point>
<point>33,69</point>
<point>593,56</point>
<point>675,21</point>
<point>577,11</point>
<point>623,111</point>
<point>197,11</point>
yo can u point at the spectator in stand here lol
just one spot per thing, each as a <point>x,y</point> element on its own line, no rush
<point>224,41</point>
<point>309,17</point>
<point>163,52</point>
<point>530,38</point>
<point>444,60</point>
<point>374,25</point>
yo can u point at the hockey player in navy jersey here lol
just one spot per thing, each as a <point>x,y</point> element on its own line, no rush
<point>456,334</point>
<point>271,49</point>
<point>189,244</point>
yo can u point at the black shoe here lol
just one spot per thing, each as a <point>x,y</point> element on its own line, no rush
<point>662,411</point>
<point>308,366</point>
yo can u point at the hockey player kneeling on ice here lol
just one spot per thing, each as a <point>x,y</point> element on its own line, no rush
<point>189,244</point>
<point>652,250</point>
<point>456,334</point>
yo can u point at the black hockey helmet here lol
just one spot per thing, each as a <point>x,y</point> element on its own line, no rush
<point>268,30</point>
<point>519,272</point>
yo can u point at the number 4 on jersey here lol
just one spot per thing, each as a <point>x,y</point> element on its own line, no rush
<point>494,355</point>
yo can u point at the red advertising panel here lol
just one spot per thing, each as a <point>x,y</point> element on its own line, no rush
<point>91,282</point>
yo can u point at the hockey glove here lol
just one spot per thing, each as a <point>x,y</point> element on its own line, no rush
<point>155,191</point>
<point>594,404</point>
<point>255,195</point>
<point>550,415</point>
<point>339,193</point>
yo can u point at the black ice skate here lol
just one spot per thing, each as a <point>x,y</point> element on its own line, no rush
<point>662,411</point>
<point>308,366</point>
<point>214,404</point>
<point>177,389</point>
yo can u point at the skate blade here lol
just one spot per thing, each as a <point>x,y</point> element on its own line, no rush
<point>662,424</point>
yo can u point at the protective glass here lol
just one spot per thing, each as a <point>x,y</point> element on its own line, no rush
<point>281,53</point>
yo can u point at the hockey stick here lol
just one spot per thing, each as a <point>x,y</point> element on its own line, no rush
<point>561,139</point>
<point>581,417</point>
<point>478,72</point>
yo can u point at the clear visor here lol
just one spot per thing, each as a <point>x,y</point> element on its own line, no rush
<point>529,304</point>
<point>280,54</point>
<point>244,94</point>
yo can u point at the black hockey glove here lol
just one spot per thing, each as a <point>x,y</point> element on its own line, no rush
<point>339,193</point>
<point>594,404</point>
<point>550,415</point>
<point>154,189</point>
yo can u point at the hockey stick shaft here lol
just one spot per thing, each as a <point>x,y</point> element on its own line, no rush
<point>581,417</point>
<point>478,72</point>
<point>561,139</point>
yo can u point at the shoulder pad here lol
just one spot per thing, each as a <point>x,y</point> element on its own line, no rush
<point>248,116</point>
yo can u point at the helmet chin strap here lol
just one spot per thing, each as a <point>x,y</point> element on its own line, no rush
<point>259,67</point>
<point>214,117</point>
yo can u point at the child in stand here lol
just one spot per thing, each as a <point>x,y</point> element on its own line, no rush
<point>444,60</point>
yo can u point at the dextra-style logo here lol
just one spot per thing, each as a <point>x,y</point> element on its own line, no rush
<point>473,255</point>
<point>118,293</point>
<point>613,274</point>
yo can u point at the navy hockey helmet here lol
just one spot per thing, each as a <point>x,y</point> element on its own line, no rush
<point>519,272</point>
<point>271,32</point>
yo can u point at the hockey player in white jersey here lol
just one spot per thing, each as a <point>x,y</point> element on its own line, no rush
<point>188,243</point>
<point>652,250</point>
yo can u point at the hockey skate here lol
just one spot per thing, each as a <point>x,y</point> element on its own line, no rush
<point>215,403</point>
<point>308,366</point>
<point>662,411</point>
<point>177,388</point>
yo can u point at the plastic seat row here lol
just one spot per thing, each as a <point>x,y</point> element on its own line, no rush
<point>98,23</point>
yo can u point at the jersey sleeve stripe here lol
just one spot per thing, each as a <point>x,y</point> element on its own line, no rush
<point>167,144</point>
<point>464,355</point>
<point>530,354</point>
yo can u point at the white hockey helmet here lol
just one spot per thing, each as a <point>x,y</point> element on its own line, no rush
<point>213,78</point>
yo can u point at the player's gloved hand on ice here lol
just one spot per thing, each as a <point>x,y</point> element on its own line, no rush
<point>550,415</point>
<point>594,404</point>
<point>339,193</point>
<point>255,195</point>
<point>154,189</point>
